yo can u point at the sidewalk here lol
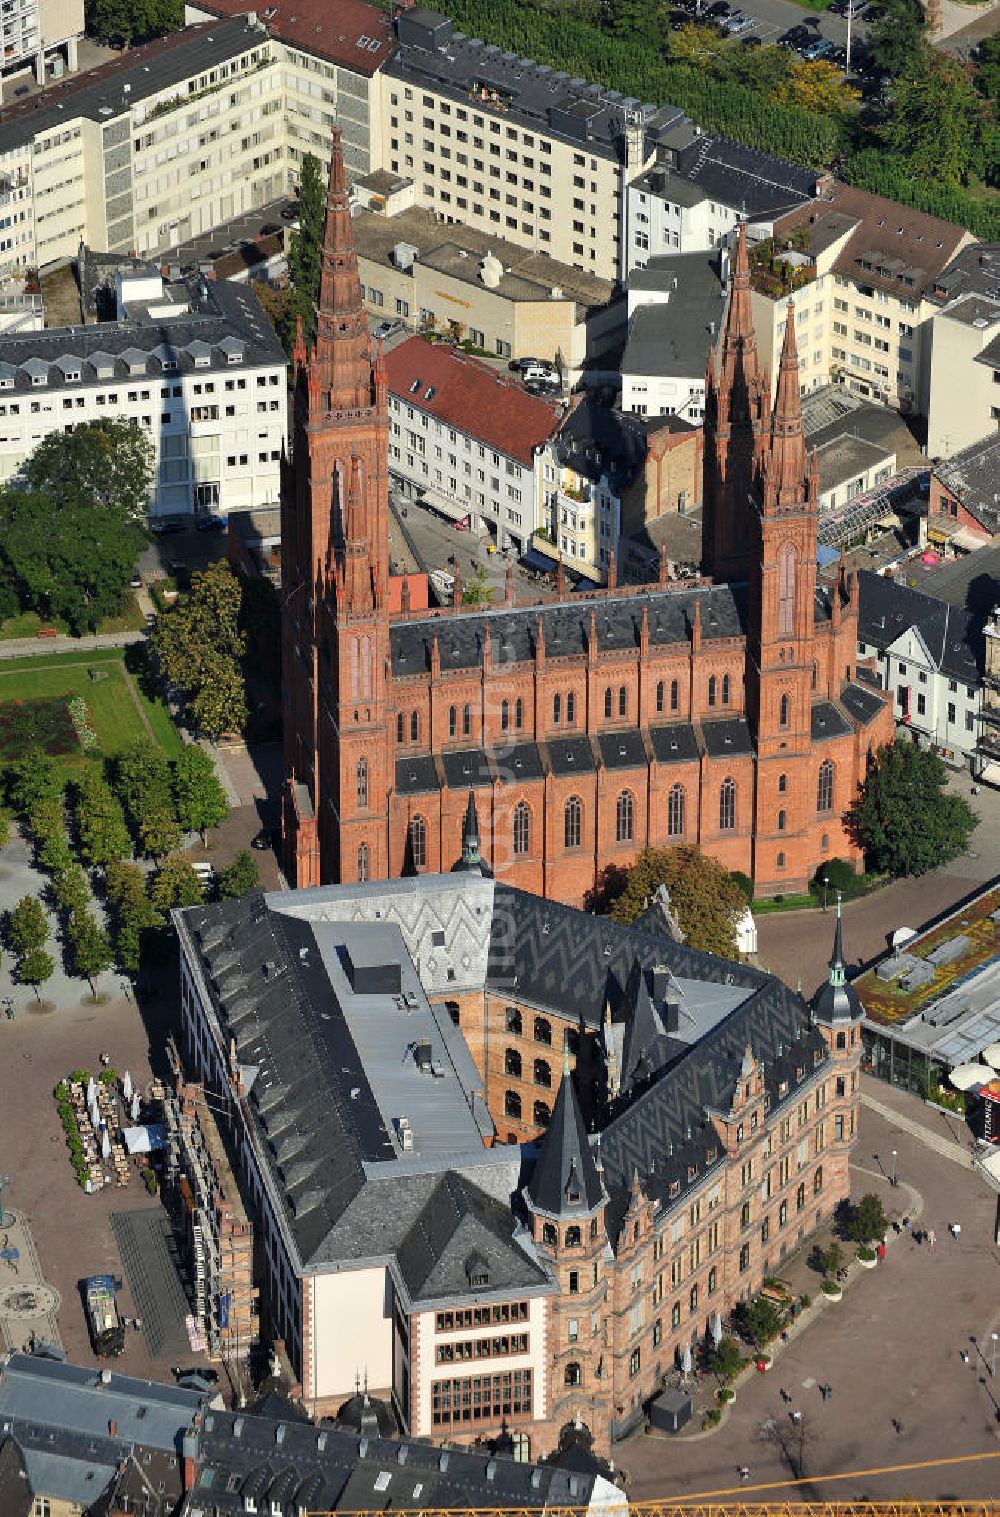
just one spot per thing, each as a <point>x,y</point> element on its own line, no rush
<point>40,647</point>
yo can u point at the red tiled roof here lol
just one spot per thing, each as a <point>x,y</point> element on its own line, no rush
<point>419,600</point>
<point>330,28</point>
<point>484,402</point>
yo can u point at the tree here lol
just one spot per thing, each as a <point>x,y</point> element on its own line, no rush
<point>819,87</point>
<point>199,798</point>
<point>27,926</point>
<point>477,591</point>
<point>868,1220</point>
<point>70,890</point>
<point>100,820</point>
<point>306,245</point>
<point>895,37</point>
<point>142,782</point>
<point>31,780</point>
<point>35,968</point>
<point>70,523</point>
<point>159,832</point>
<point>938,121</point>
<point>133,913</point>
<point>54,853</point>
<point>176,884</point>
<point>726,1360</point>
<point>277,301</point>
<point>904,818</point>
<point>91,947</point>
<point>699,47</point>
<point>124,22</point>
<point>240,876</point>
<point>199,647</point>
<point>759,1319</point>
<point>708,903</point>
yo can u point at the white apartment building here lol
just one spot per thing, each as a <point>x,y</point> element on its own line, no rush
<point>675,310</point>
<point>861,271</point>
<point>468,441</point>
<point>196,365</point>
<point>964,402</point>
<point>145,151</point>
<point>700,187</point>
<point>924,651</point>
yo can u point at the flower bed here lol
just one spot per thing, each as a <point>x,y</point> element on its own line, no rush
<point>80,718</point>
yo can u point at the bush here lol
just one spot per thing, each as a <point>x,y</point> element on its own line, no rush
<point>724,1395</point>
<point>805,1302</point>
<point>867,1253</point>
<point>831,1288</point>
<point>712,1417</point>
<point>149,1180</point>
<point>726,1360</point>
<point>868,1220</point>
<point>743,882</point>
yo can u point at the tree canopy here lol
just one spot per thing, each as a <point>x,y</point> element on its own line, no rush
<point>904,817</point>
<point>708,902</point>
<point>124,22</point>
<point>938,121</point>
<point>199,647</point>
<point>142,783</point>
<point>240,876</point>
<point>306,244</point>
<point>198,795</point>
<point>70,523</point>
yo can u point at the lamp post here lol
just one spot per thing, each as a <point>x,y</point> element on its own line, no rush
<point>893,1181</point>
<point>826,883</point>
<point>993,1355</point>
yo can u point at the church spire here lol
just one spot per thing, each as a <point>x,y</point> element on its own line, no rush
<point>838,970</point>
<point>470,833</point>
<point>341,360</point>
<point>738,333</point>
<point>565,1180</point>
<point>787,473</point>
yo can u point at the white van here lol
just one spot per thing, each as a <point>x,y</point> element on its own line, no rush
<point>536,373</point>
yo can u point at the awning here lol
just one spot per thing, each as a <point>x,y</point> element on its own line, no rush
<point>144,1140</point>
<point>456,510</point>
<point>535,559</point>
<point>989,774</point>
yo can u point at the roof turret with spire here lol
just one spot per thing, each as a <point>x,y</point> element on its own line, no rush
<point>837,1000</point>
<point>471,860</point>
<point>565,1181</point>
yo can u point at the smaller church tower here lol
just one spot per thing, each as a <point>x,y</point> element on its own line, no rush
<point>838,1014</point>
<point>566,1200</point>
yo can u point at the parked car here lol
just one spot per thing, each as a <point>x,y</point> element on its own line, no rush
<point>212,523</point>
<point>261,840</point>
<point>537,373</point>
<point>521,365</point>
<point>820,48</point>
<point>269,228</point>
<point>166,528</point>
<point>387,327</point>
<point>290,212</point>
<point>718,9</point>
<point>751,41</point>
<point>737,22</point>
<point>135,583</point>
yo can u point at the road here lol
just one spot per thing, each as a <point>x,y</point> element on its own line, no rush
<point>773,17</point>
<point>436,541</point>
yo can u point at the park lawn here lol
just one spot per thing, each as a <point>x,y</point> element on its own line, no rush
<point>27,623</point>
<point>114,711</point>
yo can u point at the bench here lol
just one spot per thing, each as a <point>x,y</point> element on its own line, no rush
<point>47,632</point>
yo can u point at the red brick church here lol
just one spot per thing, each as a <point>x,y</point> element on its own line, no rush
<point>725,712</point>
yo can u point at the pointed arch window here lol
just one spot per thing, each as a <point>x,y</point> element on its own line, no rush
<point>364,863</point>
<point>541,1114</point>
<point>660,694</point>
<point>466,719</point>
<point>824,787</point>
<point>504,715</point>
<point>786,591</point>
<point>512,1105</point>
<point>712,690</point>
<point>675,812</point>
<point>522,828</point>
<point>727,804</point>
<point>519,713</point>
<point>414,726</point>
<point>726,689</point>
<point>573,822</point>
<point>361,783</point>
<point>570,709</point>
<point>608,703</point>
<point>452,721</point>
<point>622,701</point>
<point>784,711</point>
<point>556,710</point>
<point>675,695</point>
<point>543,1073</point>
<point>400,727</point>
<point>625,817</point>
<point>418,842</point>
<point>512,1063</point>
<point>782,820</point>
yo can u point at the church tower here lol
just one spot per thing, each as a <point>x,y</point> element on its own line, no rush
<point>781,668</point>
<point>335,544</point>
<point>737,398</point>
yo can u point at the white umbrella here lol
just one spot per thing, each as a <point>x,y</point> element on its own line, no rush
<point>105,1146</point>
<point>715,1328</point>
<point>95,1115</point>
<point>91,1089</point>
<point>127,1086</point>
<point>686,1362</point>
<point>135,1106</point>
<point>991,1055</point>
<point>966,1076</point>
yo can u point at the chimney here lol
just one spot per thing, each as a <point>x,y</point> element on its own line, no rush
<point>112,1428</point>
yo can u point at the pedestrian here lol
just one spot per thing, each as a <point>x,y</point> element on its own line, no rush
<point>744,1473</point>
<point>785,1395</point>
<point>897,1426</point>
<point>796,1418</point>
<point>931,1240</point>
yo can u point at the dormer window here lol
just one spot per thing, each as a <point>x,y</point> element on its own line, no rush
<point>477,1271</point>
<point>675,1189</point>
<point>783,1088</point>
<point>415,386</point>
<point>430,392</point>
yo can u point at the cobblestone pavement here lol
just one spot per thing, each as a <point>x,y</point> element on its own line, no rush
<point>891,1349</point>
<point>28,1304</point>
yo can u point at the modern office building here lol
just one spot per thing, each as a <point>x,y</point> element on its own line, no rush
<point>194,363</point>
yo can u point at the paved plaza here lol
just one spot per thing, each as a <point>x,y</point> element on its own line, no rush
<point>892,1350</point>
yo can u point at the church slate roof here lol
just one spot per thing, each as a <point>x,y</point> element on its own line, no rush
<point>523,762</point>
<point>416,775</point>
<point>675,744</point>
<point>565,1181</point>
<point>864,705</point>
<point>571,755</point>
<point>727,737</point>
<point>566,627</point>
<point>623,750</point>
<point>827,721</point>
<point>467,769</point>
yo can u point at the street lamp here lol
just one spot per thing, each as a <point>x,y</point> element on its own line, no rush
<point>825,883</point>
<point>893,1182</point>
<point>993,1356</point>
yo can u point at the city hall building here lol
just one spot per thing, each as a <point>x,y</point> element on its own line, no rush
<point>505,1160</point>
